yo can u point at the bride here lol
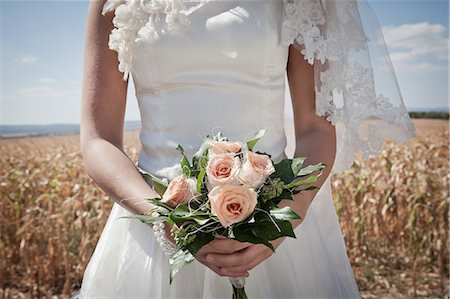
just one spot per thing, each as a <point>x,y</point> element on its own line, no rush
<point>207,65</point>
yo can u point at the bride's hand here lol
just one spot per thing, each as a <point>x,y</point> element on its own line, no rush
<point>167,233</point>
<point>223,248</point>
<point>240,261</point>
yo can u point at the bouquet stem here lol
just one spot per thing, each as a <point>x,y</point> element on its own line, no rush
<point>238,287</point>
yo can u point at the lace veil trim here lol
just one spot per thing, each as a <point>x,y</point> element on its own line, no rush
<point>356,87</point>
<point>355,84</point>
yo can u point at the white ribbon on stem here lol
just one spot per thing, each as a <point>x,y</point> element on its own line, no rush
<point>237,282</point>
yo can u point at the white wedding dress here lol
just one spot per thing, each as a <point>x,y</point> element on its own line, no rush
<point>227,74</point>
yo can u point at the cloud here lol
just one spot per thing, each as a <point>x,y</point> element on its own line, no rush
<point>46,80</point>
<point>26,59</point>
<point>418,47</point>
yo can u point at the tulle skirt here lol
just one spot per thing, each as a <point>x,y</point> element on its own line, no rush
<point>128,263</point>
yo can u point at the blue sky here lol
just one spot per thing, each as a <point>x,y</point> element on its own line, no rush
<point>42,51</point>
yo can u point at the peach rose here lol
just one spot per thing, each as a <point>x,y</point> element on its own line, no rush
<point>232,204</point>
<point>255,169</point>
<point>180,190</point>
<point>223,147</point>
<point>221,170</point>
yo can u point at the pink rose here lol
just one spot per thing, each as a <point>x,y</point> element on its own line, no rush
<point>232,204</point>
<point>255,169</point>
<point>180,190</point>
<point>223,147</point>
<point>221,170</point>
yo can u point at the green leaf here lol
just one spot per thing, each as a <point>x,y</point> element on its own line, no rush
<point>297,164</point>
<point>284,213</point>
<point>273,203</point>
<point>265,226</point>
<point>242,234</point>
<point>157,202</point>
<point>199,162</point>
<point>200,178</point>
<point>305,189</point>
<point>181,214</point>
<point>178,260</point>
<point>230,233</point>
<point>289,169</point>
<point>309,180</point>
<point>264,229</point>
<point>252,142</point>
<point>161,211</point>
<point>286,194</point>
<point>201,220</point>
<point>152,177</point>
<point>283,171</point>
<point>159,188</point>
<point>201,239</point>
<point>159,185</point>
<point>310,169</point>
<point>286,228</point>
<point>204,161</point>
<point>185,165</point>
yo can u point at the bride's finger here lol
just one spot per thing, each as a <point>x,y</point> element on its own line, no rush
<point>224,246</point>
<point>243,257</point>
<point>226,272</point>
<point>247,267</point>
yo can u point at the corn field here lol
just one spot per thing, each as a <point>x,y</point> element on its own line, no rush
<point>393,211</point>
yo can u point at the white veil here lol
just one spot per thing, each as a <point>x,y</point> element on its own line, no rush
<point>356,87</point>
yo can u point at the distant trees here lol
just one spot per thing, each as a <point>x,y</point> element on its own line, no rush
<point>431,114</point>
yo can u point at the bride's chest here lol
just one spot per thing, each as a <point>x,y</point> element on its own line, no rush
<point>226,22</point>
<point>221,36</point>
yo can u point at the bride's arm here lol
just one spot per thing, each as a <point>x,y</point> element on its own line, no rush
<point>102,118</point>
<point>315,139</point>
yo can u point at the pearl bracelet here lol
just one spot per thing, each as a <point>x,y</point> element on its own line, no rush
<point>167,246</point>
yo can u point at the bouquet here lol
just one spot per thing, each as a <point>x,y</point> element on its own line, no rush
<point>231,191</point>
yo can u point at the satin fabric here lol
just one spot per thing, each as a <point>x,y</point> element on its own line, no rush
<point>227,75</point>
